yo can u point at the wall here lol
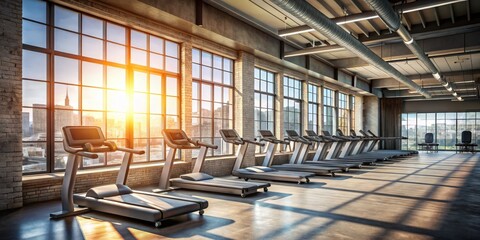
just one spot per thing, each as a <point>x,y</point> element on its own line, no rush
<point>441,106</point>
<point>10,104</point>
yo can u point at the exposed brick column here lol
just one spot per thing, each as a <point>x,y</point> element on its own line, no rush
<point>10,104</point>
<point>244,101</point>
<point>186,94</point>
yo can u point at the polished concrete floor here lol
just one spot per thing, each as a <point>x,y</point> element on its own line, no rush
<point>432,196</point>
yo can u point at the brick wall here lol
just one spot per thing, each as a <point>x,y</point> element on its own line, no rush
<point>10,104</point>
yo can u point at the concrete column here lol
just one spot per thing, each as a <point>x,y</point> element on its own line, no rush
<point>279,128</point>
<point>244,101</point>
<point>304,106</point>
<point>11,104</point>
<point>186,93</point>
<point>371,117</point>
<point>358,113</point>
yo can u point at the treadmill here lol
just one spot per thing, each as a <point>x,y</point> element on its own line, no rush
<point>293,165</point>
<point>177,139</point>
<point>399,152</point>
<point>321,146</point>
<point>258,172</point>
<point>118,199</point>
<point>341,146</point>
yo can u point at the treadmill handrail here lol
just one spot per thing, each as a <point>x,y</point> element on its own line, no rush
<point>253,142</point>
<point>204,144</point>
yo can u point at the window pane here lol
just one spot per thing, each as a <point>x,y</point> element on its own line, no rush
<point>156,44</point>
<point>66,41</point>
<point>171,49</point>
<point>140,126</point>
<point>93,119</point>
<point>66,96</point>
<point>34,65</point>
<point>34,157</point>
<point>34,93</point>
<point>66,70</point>
<point>65,118</point>
<point>115,33</point>
<point>92,47</point>
<point>92,74</point>
<point>156,149</point>
<point>140,102</point>
<point>35,10</point>
<point>34,124</point>
<point>116,158</point>
<point>172,122</point>
<point>206,92</point>
<point>92,26</point>
<point>116,124</point>
<point>156,125</point>
<point>140,144</point>
<point>92,98</point>
<point>115,53</point>
<point>140,81</point>
<point>172,86</point>
<point>117,101</point>
<point>172,107</point>
<point>116,77</point>
<point>138,39</point>
<point>155,84</point>
<point>34,34</point>
<point>196,55</point>
<point>66,18</point>
<point>138,57</point>
<point>156,104</point>
<point>156,61</point>
<point>206,73</point>
<point>171,64</point>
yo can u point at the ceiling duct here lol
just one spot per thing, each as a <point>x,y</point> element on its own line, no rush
<point>315,19</point>
<point>392,20</point>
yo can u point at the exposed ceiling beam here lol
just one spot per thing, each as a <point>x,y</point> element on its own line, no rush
<point>467,7</point>
<point>417,32</point>
<point>452,14</point>
<point>407,22</point>
<point>409,7</point>
<point>437,19</point>
<point>358,8</point>
<point>421,18</point>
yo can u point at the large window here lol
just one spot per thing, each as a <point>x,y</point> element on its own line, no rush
<point>343,112</point>
<point>292,110</point>
<point>264,100</point>
<point>312,108</point>
<point>83,70</point>
<point>328,110</point>
<point>212,99</point>
<point>447,128</point>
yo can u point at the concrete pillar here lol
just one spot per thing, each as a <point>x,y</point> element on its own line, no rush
<point>244,101</point>
<point>358,113</point>
<point>11,104</point>
<point>304,106</point>
<point>186,93</point>
<point>371,117</point>
<point>279,128</point>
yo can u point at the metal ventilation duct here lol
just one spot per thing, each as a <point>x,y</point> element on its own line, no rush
<point>315,19</point>
<point>391,19</point>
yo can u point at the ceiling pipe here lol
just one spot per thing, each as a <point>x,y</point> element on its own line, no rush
<point>315,19</point>
<point>409,7</point>
<point>392,20</point>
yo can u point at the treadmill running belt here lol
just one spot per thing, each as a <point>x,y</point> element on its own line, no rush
<point>168,207</point>
<point>223,183</point>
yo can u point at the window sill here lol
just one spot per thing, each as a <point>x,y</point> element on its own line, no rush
<point>59,175</point>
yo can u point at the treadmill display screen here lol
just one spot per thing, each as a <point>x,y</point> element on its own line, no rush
<point>176,136</point>
<point>230,134</point>
<point>292,133</point>
<point>85,134</point>
<point>310,133</point>
<point>265,133</point>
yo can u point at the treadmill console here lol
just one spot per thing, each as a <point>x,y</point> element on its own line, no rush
<point>230,136</point>
<point>266,133</point>
<point>78,136</point>
<point>326,133</point>
<point>340,132</point>
<point>176,138</point>
<point>292,133</point>
<point>311,133</point>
